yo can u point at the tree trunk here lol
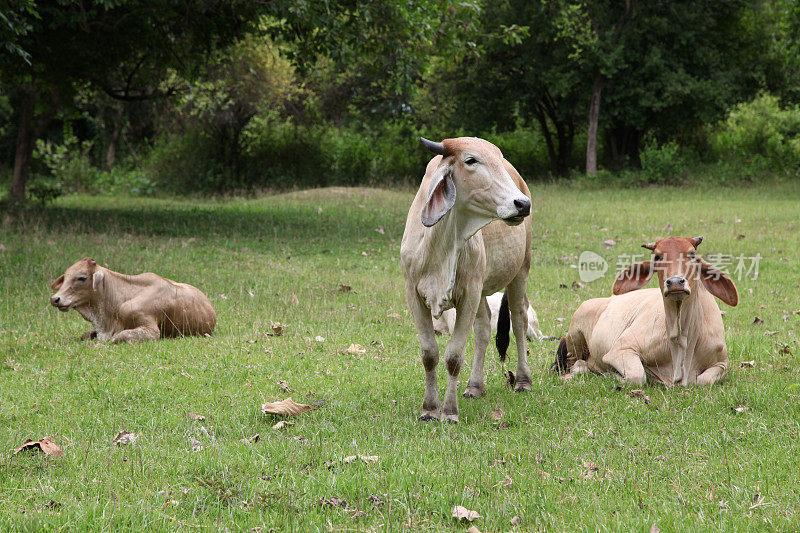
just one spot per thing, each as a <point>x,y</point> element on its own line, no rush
<point>111,152</point>
<point>594,115</point>
<point>25,139</point>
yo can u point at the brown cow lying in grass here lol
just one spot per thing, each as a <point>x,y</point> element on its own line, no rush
<point>132,308</point>
<point>673,334</point>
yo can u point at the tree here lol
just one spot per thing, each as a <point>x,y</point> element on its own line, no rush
<point>122,47</point>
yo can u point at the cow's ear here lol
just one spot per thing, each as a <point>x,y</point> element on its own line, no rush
<point>634,277</point>
<point>718,283</point>
<point>441,197</point>
<point>97,279</point>
<point>57,283</point>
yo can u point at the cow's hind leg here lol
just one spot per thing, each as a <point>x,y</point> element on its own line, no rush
<point>517,304</point>
<point>483,332</point>
<point>431,405</point>
<point>142,333</point>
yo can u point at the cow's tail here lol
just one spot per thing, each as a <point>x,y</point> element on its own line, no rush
<point>501,338</point>
<point>560,364</point>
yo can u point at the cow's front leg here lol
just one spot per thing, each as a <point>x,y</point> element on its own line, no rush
<point>518,305</point>
<point>89,335</point>
<point>627,363</point>
<point>454,354</point>
<point>431,406</point>
<point>483,332</point>
<point>142,333</point>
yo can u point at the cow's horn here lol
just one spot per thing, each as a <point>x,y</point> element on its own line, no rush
<point>649,246</point>
<point>436,148</point>
<point>697,240</point>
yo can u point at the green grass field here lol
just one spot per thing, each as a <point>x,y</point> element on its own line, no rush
<point>570,455</point>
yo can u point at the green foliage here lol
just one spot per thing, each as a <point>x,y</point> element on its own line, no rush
<point>67,163</point>
<point>760,132</point>
<point>662,164</point>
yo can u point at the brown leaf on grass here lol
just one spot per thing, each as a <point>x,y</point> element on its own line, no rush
<point>507,482</point>
<point>591,470</point>
<point>381,230</point>
<point>277,329</point>
<point>193,416</point>
<point>394,315</point>
<point>287,407</point>
<point>284,386</point>
<point>302,440</point>
<point>783,349</point>
<point>740,236</point>
<point>355,349</point>
<point>771,332</point>
<point>639,393</point>
<point>757,321</point>
<point>345,288</point>
<point>45,445</point>
<point>332,502</point>
<point>511,379</point>
<point>610,243</point>
<point>748,364</point>
<point>251,440</point>
<point>282,425</point>
<point>124,437</point>
<point>516,520</point>
<point>473,529</point>
<point>497,414</point>
<point>740,409</point>
<point>577,285</point>
<point>462,513</point>
<point>366,458</point>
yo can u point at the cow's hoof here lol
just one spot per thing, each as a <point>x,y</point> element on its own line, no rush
<point>450,419</point>
<point>429,415</point>
<point>473,392</point>
<point>522,386</point>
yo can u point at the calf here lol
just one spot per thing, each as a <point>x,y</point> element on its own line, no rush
<point>467,235</point>
<point>132,308</point>
<point>674,333</point>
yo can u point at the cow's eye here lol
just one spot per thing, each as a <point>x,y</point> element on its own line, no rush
<point>692,256</point>
<point>470,161</point>
<point>81,278</point>
<point>657,257</point>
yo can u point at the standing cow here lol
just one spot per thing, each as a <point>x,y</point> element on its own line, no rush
<point>467,235</point>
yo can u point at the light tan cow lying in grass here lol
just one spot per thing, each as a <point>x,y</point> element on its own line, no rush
<point>445,323</point>
<point>132,308</point>
<point>674,333</point>
<point>466,237</point>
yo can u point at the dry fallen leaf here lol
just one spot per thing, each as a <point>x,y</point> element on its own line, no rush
<point>462,513</point>
<point>282,424</point>
<point>356,349</point>
<point>193,416</point>
<point>639,393</point>
<point>497,415</point>
<point>507,482</point>
<point>124,437</point>
<point>345,288</point>
<point>748,364</point>
<point>195,444</point>
<point>251,440</point>
<point>287,407</point>
<point>319,338</point>
<point>284,386</point>
<point>45,445</point>
<point>277,329</point>
<point>394,315</point>
<point>757,321</point>
<point>608,243</point>
<point>740,408</point>
<point>577,285</point>
<point>771,332</point>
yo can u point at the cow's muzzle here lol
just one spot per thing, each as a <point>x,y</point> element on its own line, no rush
<point>57,302</point>
<point>523,208</point>
<point>676,288</point>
